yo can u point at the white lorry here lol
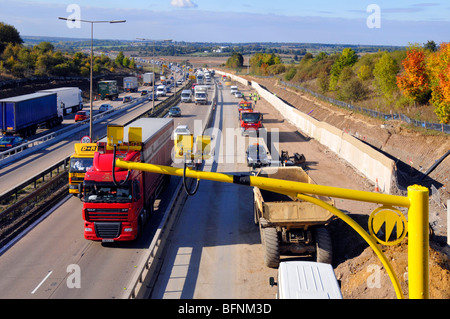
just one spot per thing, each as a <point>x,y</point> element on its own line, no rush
<point>200,77</point>
<point>69,98</point>
<point>130,84</point>
<point>148,79</point>
<point>201,94</point>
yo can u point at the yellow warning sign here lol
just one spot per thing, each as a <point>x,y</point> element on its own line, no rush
<point>388,225</point>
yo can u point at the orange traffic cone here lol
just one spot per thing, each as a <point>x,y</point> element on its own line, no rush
<point>377,189</point>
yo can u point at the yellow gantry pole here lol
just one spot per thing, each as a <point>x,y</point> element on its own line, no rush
<point>418,242</point>
<point>416,202</point>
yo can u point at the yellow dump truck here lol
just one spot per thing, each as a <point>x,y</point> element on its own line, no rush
<point>289,225</point>
<point>80,162</point>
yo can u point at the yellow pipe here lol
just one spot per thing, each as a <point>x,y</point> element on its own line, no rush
<point>274,185</point>
<point>418,243</point>
<point>294,189</point>
<point>369,239</point>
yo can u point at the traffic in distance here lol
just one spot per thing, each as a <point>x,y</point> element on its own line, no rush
<point>116,204</point>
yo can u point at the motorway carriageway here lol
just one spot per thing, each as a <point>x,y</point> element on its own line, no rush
<point>36,266</point>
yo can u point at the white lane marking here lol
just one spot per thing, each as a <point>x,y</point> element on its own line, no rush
<point>40,284</point>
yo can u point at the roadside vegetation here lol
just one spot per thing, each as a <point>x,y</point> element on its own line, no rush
<point>414,81</point>
<point>42,59</point>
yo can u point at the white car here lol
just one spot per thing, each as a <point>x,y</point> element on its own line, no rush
<point>181,130</point>
<point>238,94</point>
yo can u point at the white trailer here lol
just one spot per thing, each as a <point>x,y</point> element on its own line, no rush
<point>69,98</point>
<point>130,84</point>
<point>148,79</point>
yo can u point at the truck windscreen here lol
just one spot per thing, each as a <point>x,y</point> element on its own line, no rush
<point>80,165</point>
<point>251,117</point>
<point>107,193</point>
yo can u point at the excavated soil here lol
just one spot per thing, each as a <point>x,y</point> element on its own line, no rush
<point>361,273</point>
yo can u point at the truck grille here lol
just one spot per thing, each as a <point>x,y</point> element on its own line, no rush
<point>93,214</point>
<point>108,230</point>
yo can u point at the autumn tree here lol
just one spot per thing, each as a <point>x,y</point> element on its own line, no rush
<point>260,62</point>
<point>413,82</point>
<point>439,73</point>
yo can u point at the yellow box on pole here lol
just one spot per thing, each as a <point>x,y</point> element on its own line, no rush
<point>418,243</point>
<point>114,135</point>
<point>184,145</point>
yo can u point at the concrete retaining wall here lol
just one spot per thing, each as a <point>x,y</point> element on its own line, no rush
<point>372,164</point>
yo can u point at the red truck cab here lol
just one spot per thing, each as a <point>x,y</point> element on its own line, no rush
<point>250,121</point>
<point>116,202</point>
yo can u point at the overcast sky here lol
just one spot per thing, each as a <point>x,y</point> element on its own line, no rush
<point>344,22</point>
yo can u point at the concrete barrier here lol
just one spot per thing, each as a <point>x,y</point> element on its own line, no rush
<point>372,164</point>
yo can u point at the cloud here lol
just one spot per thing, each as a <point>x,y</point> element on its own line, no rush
<point>183,4</point>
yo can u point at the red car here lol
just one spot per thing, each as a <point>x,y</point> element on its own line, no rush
<point>81,116</point>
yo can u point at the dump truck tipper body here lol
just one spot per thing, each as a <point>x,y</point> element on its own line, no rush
<point>289,225</point>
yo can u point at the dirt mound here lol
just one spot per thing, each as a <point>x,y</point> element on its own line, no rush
<point>356,265</point>
<point>364,277</point>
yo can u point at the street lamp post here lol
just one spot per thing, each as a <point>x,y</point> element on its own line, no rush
<point>92,62</point>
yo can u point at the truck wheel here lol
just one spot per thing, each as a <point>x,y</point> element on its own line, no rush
<point>324,247</point>
<point>271,247</point>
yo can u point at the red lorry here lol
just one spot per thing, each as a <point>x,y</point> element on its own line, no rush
<point>245,105</point>
<point>116,206</point>
<point>250,121</point>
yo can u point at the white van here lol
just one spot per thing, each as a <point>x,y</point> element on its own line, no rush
<point>306,280</point>
<point>161,90</point>
<point>186,96</point>
<point>233,89</point>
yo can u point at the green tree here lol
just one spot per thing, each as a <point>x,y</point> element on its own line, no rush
<point>353,90</point>
<point>132,64</point>
<point>385,72</point>
<point>323,82</point>
<point>44,47</point>
<point>365,73</point>
<point>431,46</point>
<point>235,61</point>
<point>8,34</point>
<point>119,59</point>
<point>348,57</point>
<point>290,73</point>
<point>126,62</point>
